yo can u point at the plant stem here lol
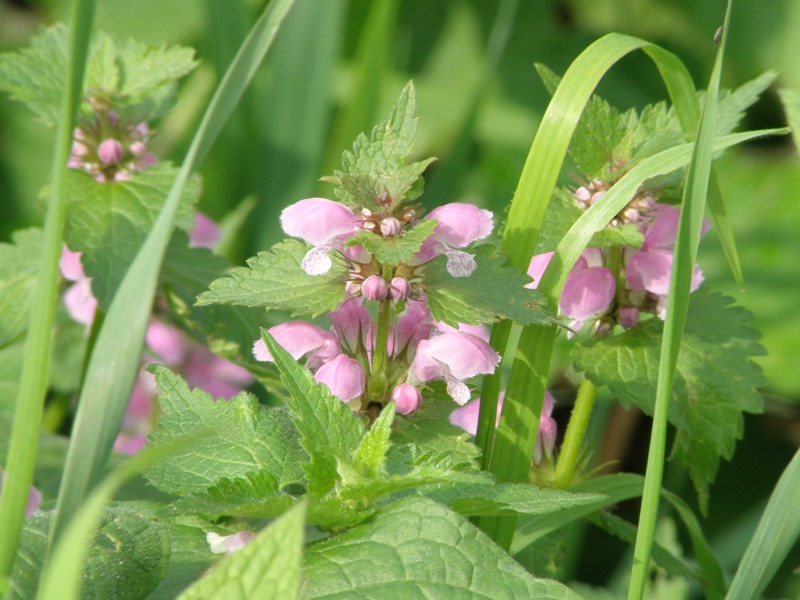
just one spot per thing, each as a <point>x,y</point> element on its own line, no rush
<point>574,437</point>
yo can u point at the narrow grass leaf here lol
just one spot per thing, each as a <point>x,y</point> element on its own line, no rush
<point>686,242</point>
<point>112,368</point>
<point>34,378</point>
<point>775,536</point>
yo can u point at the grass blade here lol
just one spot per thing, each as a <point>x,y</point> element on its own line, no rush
<point>686,243</point>
<point>776,534</point>
<point>112,368</point>
<point>38,346</point>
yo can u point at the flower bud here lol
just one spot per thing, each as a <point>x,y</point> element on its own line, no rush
<point>399,289</point>
<point>110,151</point>
<point>390,227</point>
<point>407,398</point>
<point>628,317</point>
<point>375,288</point>
<point>137,148</point>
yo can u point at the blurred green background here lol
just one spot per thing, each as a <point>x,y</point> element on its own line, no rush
<point>337,67</point>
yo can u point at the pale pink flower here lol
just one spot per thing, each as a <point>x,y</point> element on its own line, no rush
<point>228,544</point>
<point>453,357</point>
<point>343,376</point>
<point>78,299</point>
<point>300,339</point>
<point>407,398</point>
<point>322,223</point>
<point>458,225</point>
<point>205,233</point>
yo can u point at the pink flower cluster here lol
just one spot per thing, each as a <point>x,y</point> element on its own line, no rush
<point>349,359</point>
<point>109,149</point>
<point>164,345</point>
<point>419,349</point>
<point>615,285</point>
<point>327,225</point>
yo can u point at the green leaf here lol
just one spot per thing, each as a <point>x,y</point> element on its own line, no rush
<point>508,498</point>
<point>715,380</point>
<point>775,536</point>
<point>267,567</point>
<point>228,330</point>
<point>733,104</point>
<point>108,222</point>
<point>370,455</point>
<point>328,428</point>
<point>600,132</point>
<point>791,104</point>
<point>275,280</point>
<point>247,437</point>
<point>423,550</point>
<point>19,265</point>
<point>374,174</point>
<point>493,292</point>
<point>130,73</point>
<point>395,250</point>
<point>127,558</point>
<point>256,494</point>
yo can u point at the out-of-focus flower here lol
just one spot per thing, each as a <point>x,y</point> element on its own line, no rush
<point>78,299</point>
<point>466,418</point>
<point>34,497</point>
<point>228,544</point>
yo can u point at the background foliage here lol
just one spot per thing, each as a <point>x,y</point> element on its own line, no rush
<point>339,65</point>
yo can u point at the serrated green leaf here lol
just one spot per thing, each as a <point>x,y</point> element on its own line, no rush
<point>328,428</point>
<point>627,236</point>
<point>715,380</point>
<point>246,438</point>
<point>131,73</point>
<point>396,250</point>
<point>19,265</point>
<point>275,280</point>
<point>733,104</point>
<point>374,174</point>
<point>459,560</point>
<point>267,567</point>
<point>508,498</point>
<point>108,222</point>
<point>255,494</point>
<point>370,455</point>
<point>493,292</point>
<point>127,558</point>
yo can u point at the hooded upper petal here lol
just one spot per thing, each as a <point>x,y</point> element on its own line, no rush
<point>461,224</point>
<point>587,293</point>
<point>317,221</point>
<point>299,338</point>
<point>458,354</point>
<point>343,376</point>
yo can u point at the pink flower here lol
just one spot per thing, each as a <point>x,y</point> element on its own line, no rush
<point>322,223</point>
<point>205,233</point>
<point>78,299</point>
<point>466,418</point>
<point>228,544</point>
<point>407,398</point>
<point>343,376</point>
<point>588,291</point>
<point>110,151</point>
<point>375,288</point>
<point>300,339</point>
<point>453,357</point>
<point>458,225</point>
